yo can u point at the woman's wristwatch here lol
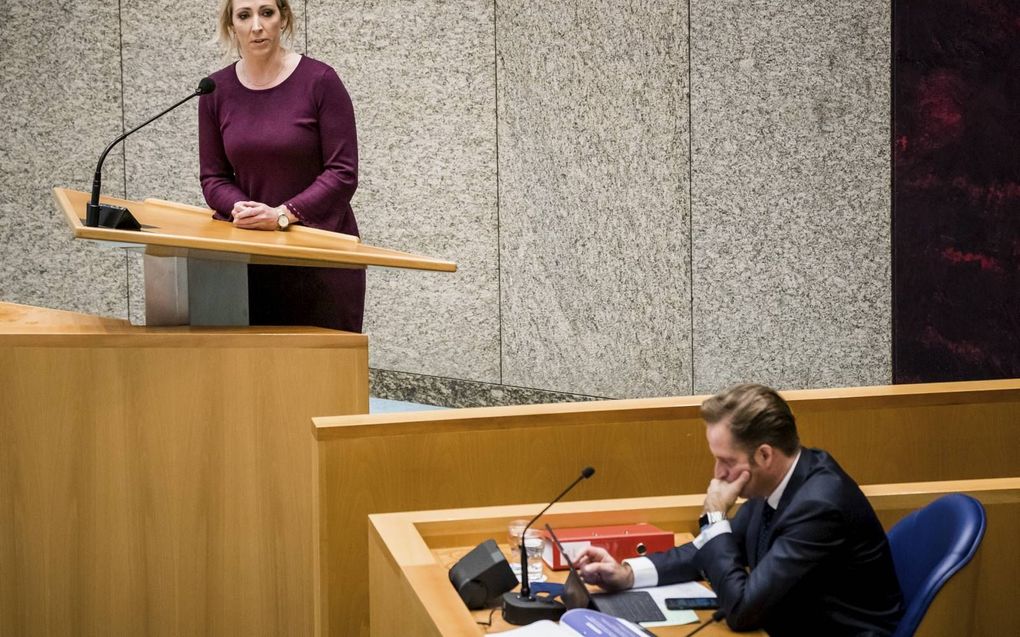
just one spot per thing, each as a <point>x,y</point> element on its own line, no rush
<point>282,220</point>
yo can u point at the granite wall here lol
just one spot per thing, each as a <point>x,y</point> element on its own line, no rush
<point>644,197</point>
<point>62,103</point>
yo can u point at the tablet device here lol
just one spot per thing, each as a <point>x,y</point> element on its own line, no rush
<point>635,606</point>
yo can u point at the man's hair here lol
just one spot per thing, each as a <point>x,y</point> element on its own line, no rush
<point>757,415</point>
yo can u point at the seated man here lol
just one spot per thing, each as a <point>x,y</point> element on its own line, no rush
<point>818,558</point>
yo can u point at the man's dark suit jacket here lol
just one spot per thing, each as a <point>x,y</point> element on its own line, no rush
<point>827,570</point>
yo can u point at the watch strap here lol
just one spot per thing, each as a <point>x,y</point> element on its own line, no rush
<point>710,518</point>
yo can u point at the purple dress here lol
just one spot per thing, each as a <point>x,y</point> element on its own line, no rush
<point>293,144</point>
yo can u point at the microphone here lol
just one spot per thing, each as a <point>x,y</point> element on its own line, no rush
<point>107,216</point>
<point>716,616</point>
<point>586,473</point>
<point>522,608</point>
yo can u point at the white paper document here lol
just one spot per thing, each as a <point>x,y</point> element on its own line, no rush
<point>579,622</point>
<point>591,623</point>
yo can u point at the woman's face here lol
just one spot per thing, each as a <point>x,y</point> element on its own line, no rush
<point>258,26</point>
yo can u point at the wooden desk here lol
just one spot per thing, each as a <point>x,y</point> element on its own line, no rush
<point>410,593</point>
<point>647,447</point>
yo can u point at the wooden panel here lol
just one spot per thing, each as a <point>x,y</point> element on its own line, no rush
<point>28,326</point>
<point>995,585</point>
<point>170,229</point>
<point>480,457</point>
<point>399,587</point>
<point>164,489</point>
<point>405,550</point>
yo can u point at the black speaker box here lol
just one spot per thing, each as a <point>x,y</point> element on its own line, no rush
<point>482,575</point>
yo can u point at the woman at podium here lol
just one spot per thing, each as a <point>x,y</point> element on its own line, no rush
<point>278,146</point>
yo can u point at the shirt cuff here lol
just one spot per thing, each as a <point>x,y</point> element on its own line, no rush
<point>710,531</point>
<point>645,574</point>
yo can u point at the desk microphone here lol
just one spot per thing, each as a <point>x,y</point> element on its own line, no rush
<point>716,616</point>
<point>523,608</point>
<point>107,216</point>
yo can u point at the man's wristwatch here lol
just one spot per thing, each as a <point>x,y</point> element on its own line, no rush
<point>282,221</point>
<point>710,518</point>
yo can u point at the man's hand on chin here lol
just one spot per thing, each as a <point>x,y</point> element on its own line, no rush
<point>721,494</point>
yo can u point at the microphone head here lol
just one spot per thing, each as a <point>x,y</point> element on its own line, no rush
<point>587,472</point>
<point>205,86</point>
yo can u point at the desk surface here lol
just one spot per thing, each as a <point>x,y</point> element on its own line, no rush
<point>448,556</point>
<point>29,326</point>
<point>410,555</point>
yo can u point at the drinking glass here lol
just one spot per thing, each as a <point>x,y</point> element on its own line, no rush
<point>534,544</point>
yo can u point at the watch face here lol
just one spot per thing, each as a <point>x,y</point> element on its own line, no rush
<point>282,222</point>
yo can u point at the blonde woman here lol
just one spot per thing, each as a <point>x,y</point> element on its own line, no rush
<point>278,147</point>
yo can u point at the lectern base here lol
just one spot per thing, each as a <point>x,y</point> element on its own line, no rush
<point>189,291</point>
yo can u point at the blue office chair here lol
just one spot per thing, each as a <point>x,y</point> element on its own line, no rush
<point>929,546</point>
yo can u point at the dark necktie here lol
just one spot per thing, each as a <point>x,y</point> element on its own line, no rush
<point>763,531</point>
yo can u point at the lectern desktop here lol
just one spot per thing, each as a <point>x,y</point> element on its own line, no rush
<point>196,267</point>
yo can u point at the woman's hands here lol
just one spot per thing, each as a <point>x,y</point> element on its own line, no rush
<point>254,215</point>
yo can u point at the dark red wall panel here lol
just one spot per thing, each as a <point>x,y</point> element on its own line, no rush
<point>956,190</point>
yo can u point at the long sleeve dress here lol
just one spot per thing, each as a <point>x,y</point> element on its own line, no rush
<point>293,144</point>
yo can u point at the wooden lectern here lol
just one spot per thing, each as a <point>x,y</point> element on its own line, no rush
<point>196,268</point>
<point>158,479</point>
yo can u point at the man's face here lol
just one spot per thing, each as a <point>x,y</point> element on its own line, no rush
<point>731,460</point>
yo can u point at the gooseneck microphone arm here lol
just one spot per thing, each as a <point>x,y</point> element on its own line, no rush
<point>586,473</point>
<point>521,608</point>
<point>93,210</point>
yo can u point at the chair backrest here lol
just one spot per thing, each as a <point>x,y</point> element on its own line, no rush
<point>929,546</point>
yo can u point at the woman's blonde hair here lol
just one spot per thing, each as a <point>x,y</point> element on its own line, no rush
<point>225,27</point>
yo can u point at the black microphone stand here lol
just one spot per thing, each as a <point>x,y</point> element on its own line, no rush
<point>522,607</point>
<point>118,217</point>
